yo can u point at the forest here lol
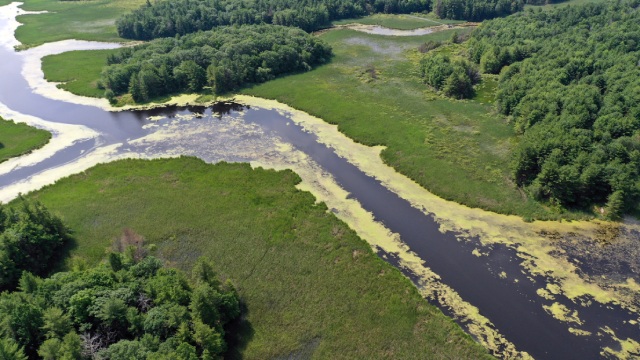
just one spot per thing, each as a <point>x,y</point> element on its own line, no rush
<point>224,59</point>
<point>570,83</point>
<point>128,307</point>
<point>164,18</point>
<point>475,10</point>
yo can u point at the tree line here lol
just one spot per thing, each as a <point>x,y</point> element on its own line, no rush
<point>164,18</point>
<point>570,82</point>
<point>476,10</point>
<point>224,59</point>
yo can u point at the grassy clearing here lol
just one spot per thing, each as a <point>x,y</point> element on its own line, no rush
<point>306,278</point>
<point>459,150</point>
<point>19,139</point>
<point>400,22</point>
<point>81,77</point>
<point>82,20</point>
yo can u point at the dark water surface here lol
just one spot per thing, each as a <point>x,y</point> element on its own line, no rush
<point>514,308</point>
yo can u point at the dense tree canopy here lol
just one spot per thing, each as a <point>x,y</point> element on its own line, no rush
<point>573,91</point>
<point>475,10</point>
<point>123,309</point>
<point>30,240</point>
<point>165,18</point>
<point>224,58</point>
<point>454,77</point>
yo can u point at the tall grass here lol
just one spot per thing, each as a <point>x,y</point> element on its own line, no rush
<point>19,139</point>
<point>309,283</point>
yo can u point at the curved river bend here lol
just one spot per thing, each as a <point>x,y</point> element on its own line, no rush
<point>491,288</point>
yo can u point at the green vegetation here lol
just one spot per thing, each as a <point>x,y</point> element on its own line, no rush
<point>31,239</point>
<point>167,18</point>
<point>19,139</point>
<point>475,10</point>
<point>224,59</point>
<point>400,22</point>
<point>77,70</point>
<point>128,308</point>
<point>310,285</point>
<point>455,77</point>
<point>372,91</point>
<point>572,90</point>
<point>552,4</point>
<point>82,20</point>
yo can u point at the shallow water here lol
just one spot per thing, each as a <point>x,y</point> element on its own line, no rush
<point>380,30</point>
<point>486,279</point>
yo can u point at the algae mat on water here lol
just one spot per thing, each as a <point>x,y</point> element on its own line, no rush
<point>19,139</point>
<point>311,286</point>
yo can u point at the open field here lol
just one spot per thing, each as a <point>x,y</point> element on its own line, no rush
<point>81,77</point>
<point>400,22</point>
<point>82,20</point>
<point>309,283</point>
<point>19,139</point>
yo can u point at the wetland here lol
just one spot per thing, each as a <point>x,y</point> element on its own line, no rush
<point>522,289</point>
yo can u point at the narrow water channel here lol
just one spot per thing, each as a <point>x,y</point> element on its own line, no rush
<point>513,306</point>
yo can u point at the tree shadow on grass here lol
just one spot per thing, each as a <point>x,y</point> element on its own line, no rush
<point>238,334</point>
<point>59,263</point>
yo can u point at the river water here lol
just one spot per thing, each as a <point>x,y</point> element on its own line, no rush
<point>513,319</point>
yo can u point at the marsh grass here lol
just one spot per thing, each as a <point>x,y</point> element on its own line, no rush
<point>80,78</point>
<point>82,20</point>
<point>19,139</point>
<point>309,283</point>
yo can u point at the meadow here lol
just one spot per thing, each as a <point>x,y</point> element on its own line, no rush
<point>20,139</point>
<point>311,286</point>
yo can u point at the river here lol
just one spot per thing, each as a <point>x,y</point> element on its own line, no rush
<point>515,289</point>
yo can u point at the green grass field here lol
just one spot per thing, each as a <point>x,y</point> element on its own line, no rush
<point>400,22</point>
<point>306,278</point>
<point>81,77</point>
<point>19,139</point>
<point>82,20</point>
